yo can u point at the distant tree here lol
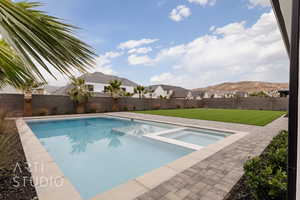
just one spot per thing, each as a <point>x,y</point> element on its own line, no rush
<point>140,90</point>
<point>114,89</point>
<point>259,94</point>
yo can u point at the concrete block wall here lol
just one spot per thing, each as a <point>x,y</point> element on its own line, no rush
<point>250,103</point>
<point>55,105</point>
<point>13,104</point>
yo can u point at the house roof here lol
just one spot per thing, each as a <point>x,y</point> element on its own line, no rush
<point>198,93</point>
<point>96,77</point>
<point>178,92</point>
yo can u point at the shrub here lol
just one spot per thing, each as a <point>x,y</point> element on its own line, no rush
<point>266,176</point>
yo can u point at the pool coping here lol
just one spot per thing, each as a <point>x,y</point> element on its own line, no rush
<point>35,152</point>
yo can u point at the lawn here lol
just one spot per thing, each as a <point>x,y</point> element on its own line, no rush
<point>251,117</point>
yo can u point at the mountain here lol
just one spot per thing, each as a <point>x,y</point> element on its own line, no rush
<point>245,86</point>
<point>49,89</point>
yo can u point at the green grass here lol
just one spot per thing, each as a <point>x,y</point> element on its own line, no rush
<point>251,117</point>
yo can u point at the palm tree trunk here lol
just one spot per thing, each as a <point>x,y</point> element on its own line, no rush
<point>27,105</point>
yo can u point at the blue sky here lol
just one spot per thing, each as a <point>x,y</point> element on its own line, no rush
<point>182,42</point>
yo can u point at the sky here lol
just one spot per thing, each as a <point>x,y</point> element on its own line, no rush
<point>189,43</point>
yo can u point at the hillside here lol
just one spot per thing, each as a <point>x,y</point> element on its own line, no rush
<point>245,86</point>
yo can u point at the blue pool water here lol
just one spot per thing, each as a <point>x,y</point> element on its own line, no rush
<point>96,156</point>
<point>200,137</point>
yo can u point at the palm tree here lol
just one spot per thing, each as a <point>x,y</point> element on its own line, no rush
<point>29,87</point>
<point>128,94</point>
<point>31,38</point>
<point>114,89</point>
<point>79,93</point>
<point>140,90</point>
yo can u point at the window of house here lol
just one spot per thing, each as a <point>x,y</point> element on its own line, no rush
<point>124,89</point>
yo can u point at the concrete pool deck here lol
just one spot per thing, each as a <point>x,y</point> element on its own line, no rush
<point>209,173</point>
<point>213,177</point>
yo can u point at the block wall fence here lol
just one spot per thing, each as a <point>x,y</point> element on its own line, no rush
<point>13,104</point>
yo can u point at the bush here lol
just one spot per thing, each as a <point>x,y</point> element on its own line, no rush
<point>266,176</point>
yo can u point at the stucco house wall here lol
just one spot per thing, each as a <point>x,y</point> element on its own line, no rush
<point>99,87</point>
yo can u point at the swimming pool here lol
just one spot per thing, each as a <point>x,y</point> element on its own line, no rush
<point>96,155</point>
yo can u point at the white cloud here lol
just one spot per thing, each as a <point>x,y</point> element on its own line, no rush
<point>139,60</point>
<point>142,50</point>
<point>103,62</point>
<point>203,2</point>
<point>162,78</point>
<point>179,13</point>
<point>136,43</point>
<point>231,53</point>
<point>212,28</point>
<point>262,3</point>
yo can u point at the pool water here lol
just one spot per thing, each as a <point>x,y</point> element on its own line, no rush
<point>198,137</point>
<point>95,156</point>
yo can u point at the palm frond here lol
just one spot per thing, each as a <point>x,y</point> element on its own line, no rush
<point>39,38</point>
<point>12,69</point>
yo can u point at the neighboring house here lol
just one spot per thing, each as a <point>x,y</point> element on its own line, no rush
<point>241,94</point>
<point>10,90</point>
<point>200,95</point>
<point>218,94</point>
<point>97,82</point>
<point>215,94</point>
<point>168,91</point>
<point>278,93</point>
<point>49,89</point>
<point>45,90</point>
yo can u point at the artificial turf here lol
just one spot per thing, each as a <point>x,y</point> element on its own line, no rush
<point>251,117</point>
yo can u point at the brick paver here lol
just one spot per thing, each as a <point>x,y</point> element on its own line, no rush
<point>214,177</point>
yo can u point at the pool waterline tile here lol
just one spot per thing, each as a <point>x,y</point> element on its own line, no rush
<point>146,182</point>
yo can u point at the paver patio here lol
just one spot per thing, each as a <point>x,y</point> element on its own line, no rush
<point>214,177</point>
